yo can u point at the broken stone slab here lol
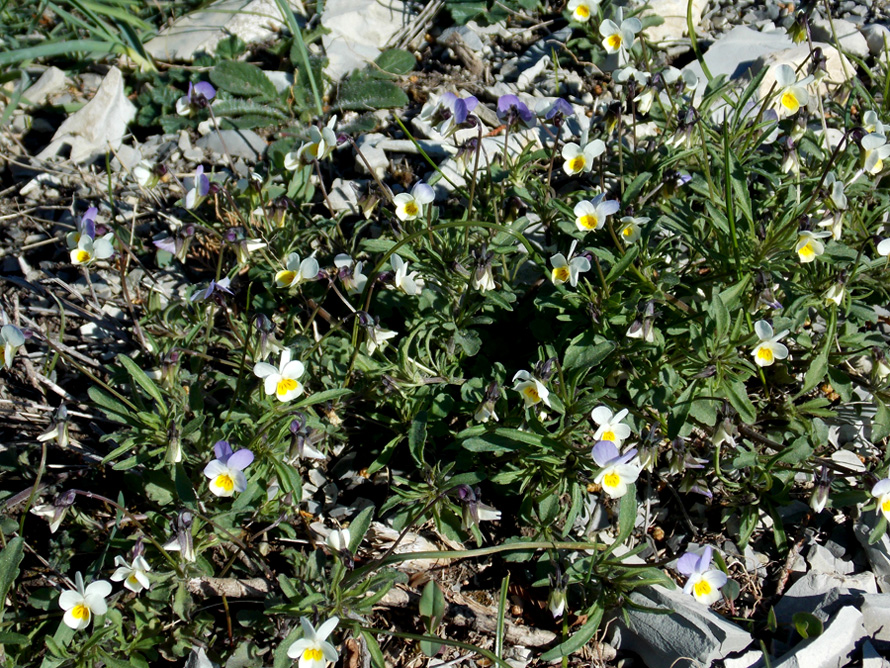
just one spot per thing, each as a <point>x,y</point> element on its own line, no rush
<point>877,37</point>
<point>871,658</point>
<point>343,196</point>
<point>359,31</point>
<point>878,554</point>
<point>674,28</point>
<point>244,143</point>
<point>834,648</point>
<point>532,57</point>
<point>821,594</point>
<point>690,630</point>
<point>821,560</point>
<point>875,610</point>
<point>99,123</point>
<point>50,83</point>
<point>848,36</point>
<point>202,30</point>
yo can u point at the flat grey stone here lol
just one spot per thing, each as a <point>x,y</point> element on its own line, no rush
<point>871,658</point>
<point>99,123</point>
<point>877,37</point>
<point>691,630</point>
<point>343,197</point>
<point>674,27</point>
<point>876,612</point>
<point>848,36</point>
<point>878,555</point>
<point>750,659</point>
<point>245,144</point>
<point>469,37</point>
<point>52,81</point>
<point>359,31</point>
<point>202,30</point>
<point>833,649</point>
<point>822,594</point>
<point>821,560</point>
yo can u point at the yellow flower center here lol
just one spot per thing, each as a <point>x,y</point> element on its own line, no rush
<point>411,209</point>
<point>582,12</point>
<point>879,165</point>
<point>885,505</point>
<point>81,256</point>
<point>285,385</point>
<point>608,436</point>
<point>789,101</point>
<point>285,278</point>
<point>577,163</point>
<point>702,588</point>
<point>560,274</point>
<point>531,392</point>
<point>312,654</point>
<point>807,251</point>
<point>614,41</point>
<point>314,149</point>
<point>224,481</point>
<point>133,580</point>
<point>765,354</point>
<point>80,611</point>
<point>612,480</point>
<point>589,221</point>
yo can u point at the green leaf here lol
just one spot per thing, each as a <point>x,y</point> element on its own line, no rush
<point>288,478</point>
<point>322,397</point>
<point>578,640</point>
<point>878,532</point>
<point>225,108</point>
<point>8,638</point>
<point>143,380</point>
<point>364,94</point>
<point>243,79</point>
<point>623,263</point>
<point>584,353</point>
<point>634,189</point>
<point>374,650</point>
<point>720,314</point>
<point>880,426</point>
<point>432,605</point>
<point>184,488</point>
<point>627,516</point>
<point>113,409</point>
<point>10,558</point>
<point>396,61</point>
<point>738,397</point>
<point>417,437</point>
<point>807,624</point>
<point>359,527</point>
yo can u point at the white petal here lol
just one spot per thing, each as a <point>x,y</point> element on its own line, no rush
<point>262,369</point>
<point>70,598</point>
<point>764,330</point>
<point>326,629</point>
<point>601,415</point>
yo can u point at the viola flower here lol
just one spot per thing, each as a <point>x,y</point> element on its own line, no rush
<point>552,110</point>
<point>377,337</point>
<point>296,271</point>
<point>226,472</point>
<point>134,575</point>
<point>80,604</point>
<point>616,470</point>
<point>874,149</point>
<point>792,93</point>
<point>568,270</point>
<point>182,540</point>
<point>631,228</point>
<point>512,111</point>
<point>884,247</point>
<point>881,491</point>
<point>704,582</point>
<point>473,510</point>
<point>835,294</point>
<point>199,190</point>
<point>409,206</point>
<point>212,289</point>
<point>580,159</point>
<point>531,389</point>
<point>338,540</point>
<point>148,174</point>
<point>485,412</point>
<point>88,250</point>
<point>836,189</point>
<point>821,491</point>
<point>871,122</point>
<point>582,9</point>
<point>410,284</point>
<point>768,350</point>
<point>448,113</point>
<point>282,382</point>
<point>11,339</point>
<point>609,425</point>
<point>590,215</point>
<point>86,226</point>
<point>350,273</point>
<point>198,97</point>
<point>619,35</point>
<point>312,649</point>
<point>809,246</point>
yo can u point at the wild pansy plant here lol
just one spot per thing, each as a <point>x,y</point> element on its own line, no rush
<point>703,583</point>
<point>226,472</point>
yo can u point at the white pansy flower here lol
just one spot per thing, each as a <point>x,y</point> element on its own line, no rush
<point>296,271</point>
<point>704,582</point>
<point>871,123</point>
<point>617,470</point>
<point>884,247</point>
<point>590,215</point>
<point>80,604</point>
<point>409,283</point>
<point>313,650</point>
<point>881,491</point>
<point>582,9</point>
<point>580,159</point>
<point>835,294</point>
<point>283,382</point>
<point>809,245</point>
<point>409,206</point>
<point>619,35</point>
<point>321,142</point>
<point>134,576</point>
<point>11,339</point>
<point>568,269</point>
<point>792,93</point>
<point>768,350</point>
<point>350,273</point>
<point>874,150</point>
<point>377,338</point>
<point>609,425</point>
<point>338,540</point>
<point>531,389</point>
<point>88,250</point>
<point>631,228</point>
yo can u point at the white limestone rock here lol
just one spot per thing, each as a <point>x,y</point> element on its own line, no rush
<point>674,28</point>
<point>848,36</point>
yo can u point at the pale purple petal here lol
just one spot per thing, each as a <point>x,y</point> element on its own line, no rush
<point>687,563</point>
<point>240,460</point>
<point>204,88</point>
<point>222,450</point>
<point>604,452</point>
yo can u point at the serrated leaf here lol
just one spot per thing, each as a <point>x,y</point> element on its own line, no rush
<point>396,61</point>
<point>242,79</point>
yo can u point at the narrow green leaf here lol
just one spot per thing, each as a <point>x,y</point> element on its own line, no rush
<point>629,256</point>
<point>10,558</point>
<point>417,437</point>
<point>322,397</point>
<point>359,527</point>
<point>578,640</point>
<point>143,380</point>
<point>737,394</point>
<point>634,189</point>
